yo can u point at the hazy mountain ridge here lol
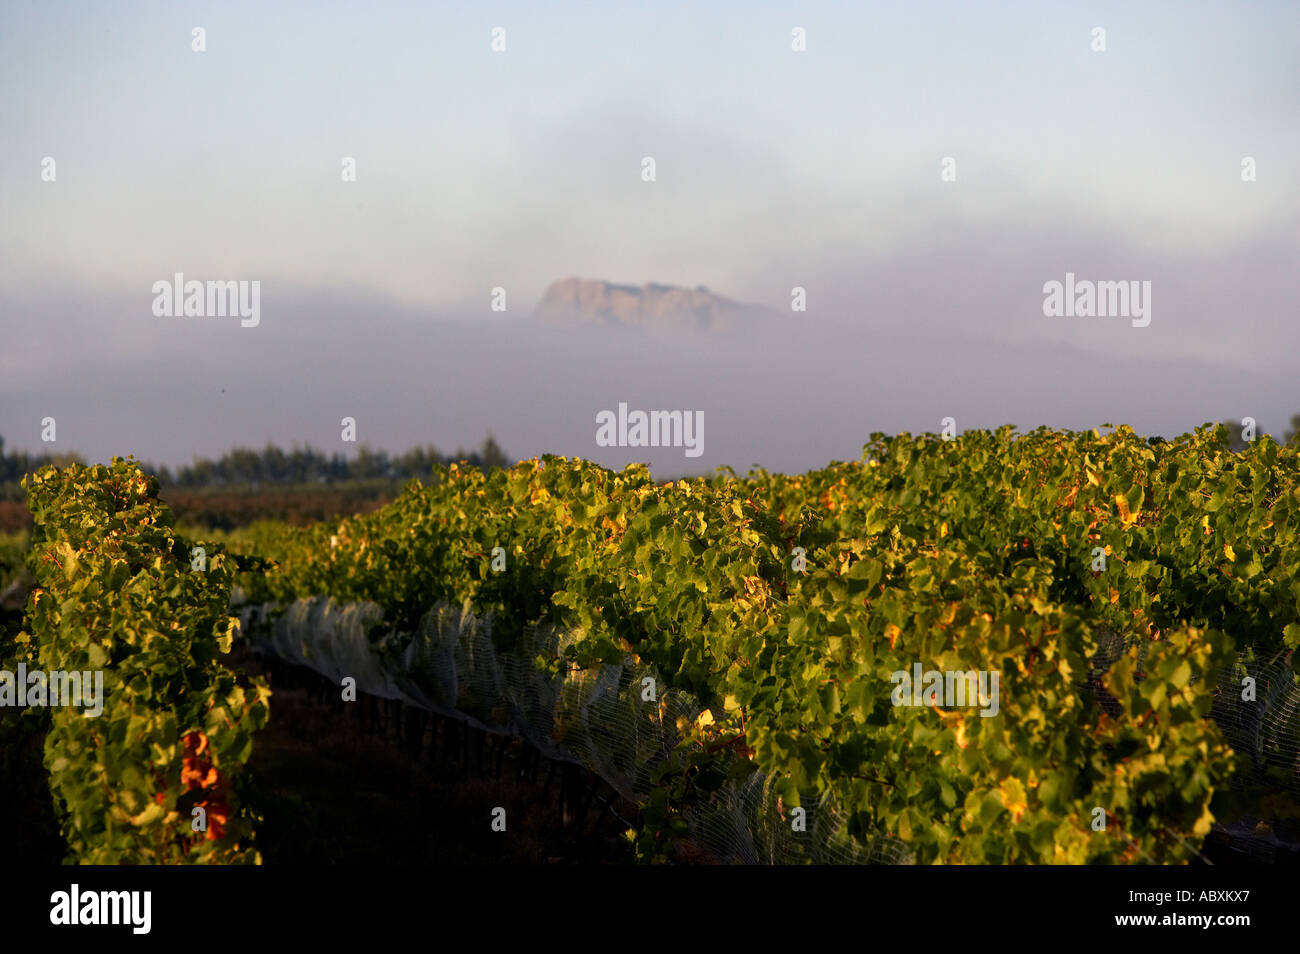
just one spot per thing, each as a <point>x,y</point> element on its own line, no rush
<point>651,306</point>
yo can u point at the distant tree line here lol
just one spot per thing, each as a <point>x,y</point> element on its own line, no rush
<point>1237,443</point>
<point>272,465</point>
<point>16,464</point>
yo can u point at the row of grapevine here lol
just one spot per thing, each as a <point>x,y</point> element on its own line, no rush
<point>787,604</point>
<point>149,779</point>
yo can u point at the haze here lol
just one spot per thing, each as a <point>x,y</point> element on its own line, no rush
<point>775,169</point>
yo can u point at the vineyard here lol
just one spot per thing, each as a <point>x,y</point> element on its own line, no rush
<point>726,652</point>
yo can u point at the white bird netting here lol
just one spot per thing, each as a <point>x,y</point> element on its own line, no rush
<point>604,721</point>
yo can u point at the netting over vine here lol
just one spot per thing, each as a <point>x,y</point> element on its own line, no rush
<point>606,721</point>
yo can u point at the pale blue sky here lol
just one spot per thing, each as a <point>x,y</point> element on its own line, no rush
<point>775,169</point>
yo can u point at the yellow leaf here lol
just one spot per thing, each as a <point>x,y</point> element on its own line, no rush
<point>149,815</point>
<point>1229,553</point>
<point>1114,596</point>
<point>703,719</point>
<point>943,530</point>
<point>1093,479</point>
<point>1013,797</point>
<point>1203,824</point>
<point>1122,503</point>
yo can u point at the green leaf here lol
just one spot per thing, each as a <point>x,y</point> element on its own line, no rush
<point>1180,675</point>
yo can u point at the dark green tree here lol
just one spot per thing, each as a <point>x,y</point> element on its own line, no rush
<point>492,455</point>
<point>1232,437</point>
<point>1293,433</point>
